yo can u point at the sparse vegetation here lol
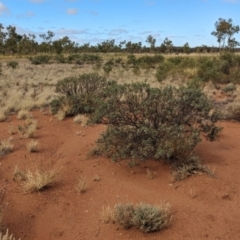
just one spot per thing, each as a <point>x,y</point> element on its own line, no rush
<point>81,119</point>
<point>32,146</point>
<point>6,146</point>
<point>23,114</point>
<point>106,214</point>
<point>12,64</point>
<point>81,186</point>
<point>7,236</point>
<point>146,217</point>
<point>38,180</point>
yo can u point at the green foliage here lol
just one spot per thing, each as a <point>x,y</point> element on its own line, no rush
<point>146,217</point>
<point>108,66</point>
<point>80,94</point>
<point>163,70</point>
<point>40,59</point>
<point>229,88</point>
<point>147,122</point>
<point>12,64</point>
<point>60,58</point>
<point>84,58</point>
<point>145,62</point>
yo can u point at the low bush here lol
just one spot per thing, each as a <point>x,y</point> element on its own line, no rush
<point>146,217</point>
<point>40,59</point>
<point>151,218</point>
<point>12,64</point>
<point>79,95</point>
<point>163,70</point>
<point>145,122</point>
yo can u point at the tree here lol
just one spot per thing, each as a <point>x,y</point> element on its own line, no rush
<point>12,40</point>
<point>47,38</point>
<point>186,48</point>
<point>151,41</point>
<point>224,33</point>
<point>2,38</point>
<point>167,45</point>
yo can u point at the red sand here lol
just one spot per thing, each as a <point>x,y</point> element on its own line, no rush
<point>202,207</point>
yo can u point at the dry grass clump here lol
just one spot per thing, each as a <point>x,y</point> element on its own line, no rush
<point>106,214</point>
<point>151,218</point>
<point>7,236</point>
<point>144,216</point>
<point>60,115</point>
<point>27,131</point>
<point>23,114</point>
<point>151,174</point>
<point>38,180</point>
<point>234,111</point>
<point>6,146</point>
<point>3,116</point>
<point>18,174</point>
<point>11,129</point>
<point>123,214</point>
<point>34,181</point>
<point>81,119</point>
<point>32,146</point>
<point>81,186</point>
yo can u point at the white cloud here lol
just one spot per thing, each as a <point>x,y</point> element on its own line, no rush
<point>72,11</point>
<point>3,9</point>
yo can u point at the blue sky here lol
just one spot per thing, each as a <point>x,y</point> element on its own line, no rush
<point>95,21</point>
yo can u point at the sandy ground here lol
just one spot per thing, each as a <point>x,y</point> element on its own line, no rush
<point>202,207</point>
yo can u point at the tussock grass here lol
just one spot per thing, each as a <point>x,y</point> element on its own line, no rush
<point>6,146</point>
<point>32,146</point>
<point>23,114</point>
<point>148,218</point>
<point>18,174</point>
<point>38,180</point>
<point>81,186</point>
<point>27,131</point>
<point>106,214</point>
<point>7,236</point>
<point>81,119</point>
<point>3,116</point>
<point>60,115</point>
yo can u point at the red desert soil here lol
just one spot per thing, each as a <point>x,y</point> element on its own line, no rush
<point>202,207</point>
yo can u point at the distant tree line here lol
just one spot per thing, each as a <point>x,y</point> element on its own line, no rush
<point>13,43</point>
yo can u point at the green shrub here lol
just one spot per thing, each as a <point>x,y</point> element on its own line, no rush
<point>40,59</point>
<point>147,62</point>
<point>229,88</point>
<point>163,70</point>
<point>80,94</point>
<point>108,66</point>
<point>12,64</point>
<point>147,122</point>
<point>60,58</point>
